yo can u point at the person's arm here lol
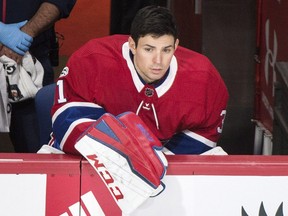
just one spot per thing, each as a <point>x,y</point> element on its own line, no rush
<point>74,108</point>
<point>48,13</point>
<point>198,140</point>
<point>44,18</point>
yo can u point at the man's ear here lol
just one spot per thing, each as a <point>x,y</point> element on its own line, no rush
<point>176,43</point>
<point>132,45</point>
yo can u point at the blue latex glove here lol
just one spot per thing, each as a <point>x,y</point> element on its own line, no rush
<point>11,36</point>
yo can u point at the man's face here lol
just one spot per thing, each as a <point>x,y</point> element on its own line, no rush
<point>153,55</point>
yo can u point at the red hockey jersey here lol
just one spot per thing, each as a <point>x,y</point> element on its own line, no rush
<point>186,110</point>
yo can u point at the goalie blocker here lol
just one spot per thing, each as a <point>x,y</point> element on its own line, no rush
<point>127,156</point>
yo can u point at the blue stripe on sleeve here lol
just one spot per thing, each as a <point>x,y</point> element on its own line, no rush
<point>182,144</point>
<point>71,114</point>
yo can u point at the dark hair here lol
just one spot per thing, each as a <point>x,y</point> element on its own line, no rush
<point>153,20</point>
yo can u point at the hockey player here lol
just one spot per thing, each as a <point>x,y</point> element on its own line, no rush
<point>178,93</point>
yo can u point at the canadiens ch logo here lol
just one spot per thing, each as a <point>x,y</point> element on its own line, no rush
<point>149,92</point>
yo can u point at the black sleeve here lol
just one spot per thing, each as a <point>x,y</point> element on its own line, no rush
<point>65,6</point>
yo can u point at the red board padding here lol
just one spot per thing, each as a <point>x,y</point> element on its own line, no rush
<point>39,163</point>
<point>178,164</point>
<point>228,165</point>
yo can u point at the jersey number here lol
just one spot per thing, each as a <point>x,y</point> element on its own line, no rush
<point>223,114</point>
<point>61,98</point>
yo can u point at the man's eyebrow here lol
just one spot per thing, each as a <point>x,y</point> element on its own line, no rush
<point>149,45</point>
<point>169,46</point>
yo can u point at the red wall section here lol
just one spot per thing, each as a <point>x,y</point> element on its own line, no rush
<point>88,19</point>
<point>273,42</point>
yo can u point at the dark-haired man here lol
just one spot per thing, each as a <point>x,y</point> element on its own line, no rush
<point>178,93</point>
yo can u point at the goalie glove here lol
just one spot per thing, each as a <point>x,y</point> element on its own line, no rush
<point>131,154</point>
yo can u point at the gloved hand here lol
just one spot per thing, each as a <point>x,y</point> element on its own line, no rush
<point>11,36</point>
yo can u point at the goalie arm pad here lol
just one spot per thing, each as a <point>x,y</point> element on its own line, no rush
<point>128,154</point>
<point>133,141</point>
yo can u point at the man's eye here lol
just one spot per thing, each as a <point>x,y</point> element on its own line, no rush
<point>167,50</point>
<point>148,49</point>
